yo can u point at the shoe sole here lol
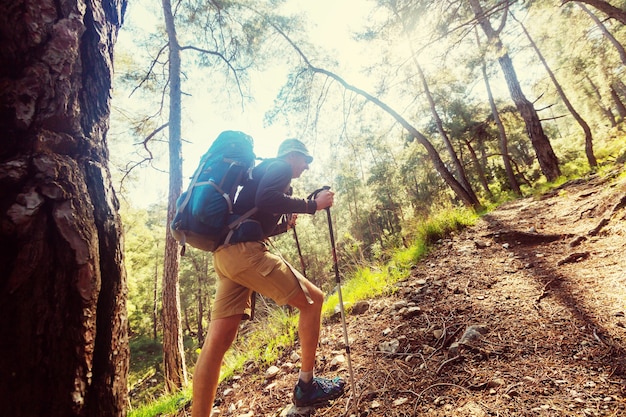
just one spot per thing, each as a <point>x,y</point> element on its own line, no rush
<point>319,402</point>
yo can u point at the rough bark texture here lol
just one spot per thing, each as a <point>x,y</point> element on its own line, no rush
<point>543,149</point>
<point>63,285</point>
<point>173,350</point>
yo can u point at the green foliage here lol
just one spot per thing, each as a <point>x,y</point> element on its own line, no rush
<point>146,355</point>
<point>166,405</point>
<point>370,282</point>
<point>263,344</point>
<point>143,233</point>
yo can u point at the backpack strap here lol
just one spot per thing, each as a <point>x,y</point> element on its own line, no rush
<point>233,225</point>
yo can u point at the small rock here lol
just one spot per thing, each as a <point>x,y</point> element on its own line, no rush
<point>390,346</point>
<point>400,401</point>
<point>360,307</point>
<point>337,361</point>
<point>399,305</point>
<point>272,371</point>
<point>293,411</point>
<point>481,245</point>
<point>412,312</point>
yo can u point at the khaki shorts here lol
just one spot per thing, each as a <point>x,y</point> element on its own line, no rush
<point>246,267</point>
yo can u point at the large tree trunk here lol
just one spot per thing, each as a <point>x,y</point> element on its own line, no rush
<point>543,149</point>
<point>63,321</point>
<point>173,350</point>
<point>591,158</point>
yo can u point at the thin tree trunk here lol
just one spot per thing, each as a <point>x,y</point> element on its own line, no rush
<point>503,142</point>
<point>462,175</point>
<point>605,32</point>
<point>605,110</point>
<point>460,170</point>
<point>591,158</point>
<point>543,149</point>
<point>621,108</point>
<point>173,350</point>
<point>155,300</point>
<point>200,333</point>
<point>63,322</point>
<point>479,169</point>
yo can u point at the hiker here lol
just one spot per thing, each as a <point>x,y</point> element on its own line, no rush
<point>245,265</point>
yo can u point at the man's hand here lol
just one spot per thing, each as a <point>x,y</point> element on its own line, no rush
<point>291,220</point>
<point>324,199</point>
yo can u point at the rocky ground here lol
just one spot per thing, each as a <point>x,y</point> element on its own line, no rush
<point>520,315</point>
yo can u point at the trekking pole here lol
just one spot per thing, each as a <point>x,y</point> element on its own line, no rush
<point>295,236</point>
<point>338,281</point>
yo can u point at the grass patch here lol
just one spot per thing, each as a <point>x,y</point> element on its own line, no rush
<point>167,404</point>
<point>367,282</point>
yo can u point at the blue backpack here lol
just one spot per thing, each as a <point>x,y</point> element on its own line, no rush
<point>204,213</point>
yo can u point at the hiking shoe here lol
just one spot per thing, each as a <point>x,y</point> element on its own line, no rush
<point>318,391</point>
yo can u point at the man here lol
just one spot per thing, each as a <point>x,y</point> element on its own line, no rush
<point>244,265</point>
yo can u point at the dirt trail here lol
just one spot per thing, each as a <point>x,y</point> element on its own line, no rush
<point>520,315</point>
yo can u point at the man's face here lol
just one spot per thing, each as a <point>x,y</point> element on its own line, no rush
<point>298,164</point>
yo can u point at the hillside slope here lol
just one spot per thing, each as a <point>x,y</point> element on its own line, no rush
<point>520,315</point>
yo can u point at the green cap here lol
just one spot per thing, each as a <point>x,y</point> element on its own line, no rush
<point>294,145</point>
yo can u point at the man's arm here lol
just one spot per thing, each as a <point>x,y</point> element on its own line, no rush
<point>271,196</point>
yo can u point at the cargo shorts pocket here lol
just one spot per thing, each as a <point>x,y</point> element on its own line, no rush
<point>267,264</point>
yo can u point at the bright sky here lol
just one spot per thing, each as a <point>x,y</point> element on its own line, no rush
<point>331,22</point>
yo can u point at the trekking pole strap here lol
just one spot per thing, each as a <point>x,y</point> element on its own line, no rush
<point>316,192</point>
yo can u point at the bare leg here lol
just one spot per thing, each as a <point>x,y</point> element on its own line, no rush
<point>221,335</point>
<point>309,323</point>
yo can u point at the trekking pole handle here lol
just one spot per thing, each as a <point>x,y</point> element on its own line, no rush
<point>316,192</point>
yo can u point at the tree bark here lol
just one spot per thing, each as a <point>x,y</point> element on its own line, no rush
<point>591,158</point>
<point>621,108</point>
<point>543,149</point>
<point>63,289</point>
<point>611,11</point>
<point>155,300</point>
<point>173,350</point>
